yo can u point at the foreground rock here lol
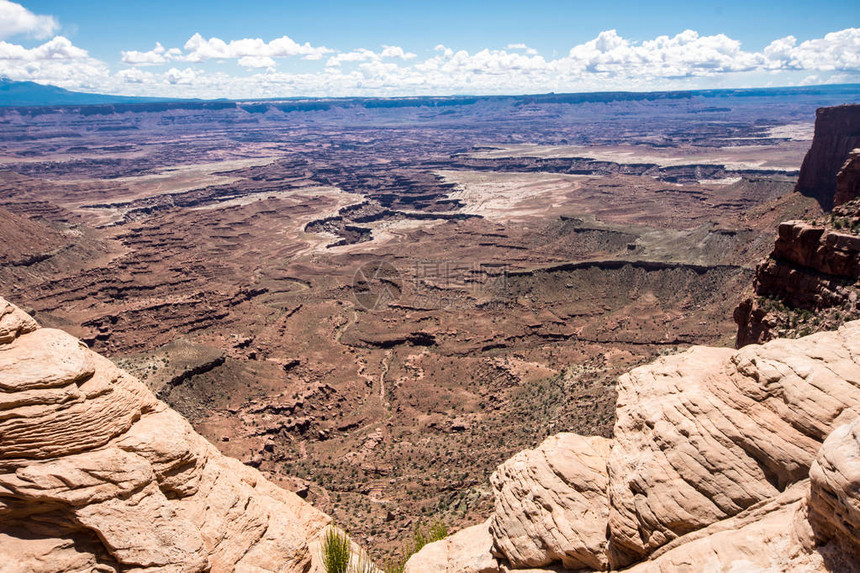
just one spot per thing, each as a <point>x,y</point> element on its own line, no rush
<point>98,475</point>
<point>721,461</point>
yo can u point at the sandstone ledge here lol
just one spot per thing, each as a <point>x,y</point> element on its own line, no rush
<point>98,475</point>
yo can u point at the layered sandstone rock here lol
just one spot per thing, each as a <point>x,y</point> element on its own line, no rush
<point>98,475</point>
<point>709,470</point>
<point>837,132</point>
<point>566,473</point>
<point>848,180</point>
<point>467,551</point>
<point>814,267</point>
<point>706,434</point>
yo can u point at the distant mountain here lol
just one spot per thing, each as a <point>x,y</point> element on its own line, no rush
<point>31,94</point>
<point>14,93</point>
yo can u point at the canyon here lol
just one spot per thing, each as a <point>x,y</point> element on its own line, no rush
<point>374,307</point>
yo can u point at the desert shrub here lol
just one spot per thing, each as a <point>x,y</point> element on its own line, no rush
<point>335,552</point>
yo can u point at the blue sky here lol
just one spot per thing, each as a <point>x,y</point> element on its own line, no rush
<point>403,48</point>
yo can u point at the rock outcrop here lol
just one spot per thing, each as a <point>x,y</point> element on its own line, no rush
<point>96,474</point>
<point>837,132</point>
<point>721,460</point>
<point>567,473</point>
<point>848,180</point>
<point>809,282</point>
<point>815,265</point>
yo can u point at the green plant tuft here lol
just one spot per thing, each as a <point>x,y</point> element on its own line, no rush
<point>335,552</point>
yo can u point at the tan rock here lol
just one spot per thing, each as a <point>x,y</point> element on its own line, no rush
<point>760,540</point>
<point>703,435</point>
<point>834,499</point>
<point>14,322</point>
<point>467,551</point>
<point>551,504</point>
<point>98,475</point>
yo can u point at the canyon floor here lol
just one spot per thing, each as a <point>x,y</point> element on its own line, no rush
<point>376,304</point>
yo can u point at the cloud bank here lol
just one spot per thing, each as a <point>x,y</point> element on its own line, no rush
<point>282,67</point>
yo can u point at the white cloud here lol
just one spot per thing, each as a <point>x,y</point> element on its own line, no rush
<point>396,52</point>
<point>56,61</point>
<point>686,54</point>
<point>15,19</point>
<point>256,62</point>
<point>607,62</point>
<point>199,49</point>
<point>181,77</point>
<point>134,76</point>
<point>157,55</point>
<point>838,51</point>
<point>521,46</point>
<point>365,55</point>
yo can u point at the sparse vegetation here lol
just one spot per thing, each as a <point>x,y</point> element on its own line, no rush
<point>435,532</point>
<point>336,551</point>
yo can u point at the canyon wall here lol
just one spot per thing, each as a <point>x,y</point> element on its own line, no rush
<point>837,132</point>
<point>809,282</point>
<point>721,460</point>
<point>96,474</point>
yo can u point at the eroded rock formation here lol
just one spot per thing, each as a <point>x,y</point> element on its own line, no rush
<point>96,474</point>
<point>808,283</point>
<point>837,132</point>
<point>721,461</point>
<point>815,265</point>
<point>848,180</point>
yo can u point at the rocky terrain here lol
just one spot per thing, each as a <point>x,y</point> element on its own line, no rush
<point>811,280</point>
<point>720,460</point>
<point>96,474</point>
<point>377,305</point>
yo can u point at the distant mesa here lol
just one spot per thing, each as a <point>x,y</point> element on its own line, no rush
<point>14,93</point>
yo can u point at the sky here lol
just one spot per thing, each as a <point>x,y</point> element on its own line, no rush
<point>267,49</point>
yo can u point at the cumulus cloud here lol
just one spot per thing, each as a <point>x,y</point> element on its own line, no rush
<point>199,49</point>
<point>181,77</point>
<point>839,51</point>
<point>158,55</point>
<point>683,55</point>
<point>56,61</point>
<point>607,62</point>
<point>396,52</point>
<point>256,62</point>
<point>521,46</point>
<point>365,55</point>
<point>15,20</point>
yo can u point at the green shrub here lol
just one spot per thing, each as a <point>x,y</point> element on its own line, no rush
<point>335,551</point>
